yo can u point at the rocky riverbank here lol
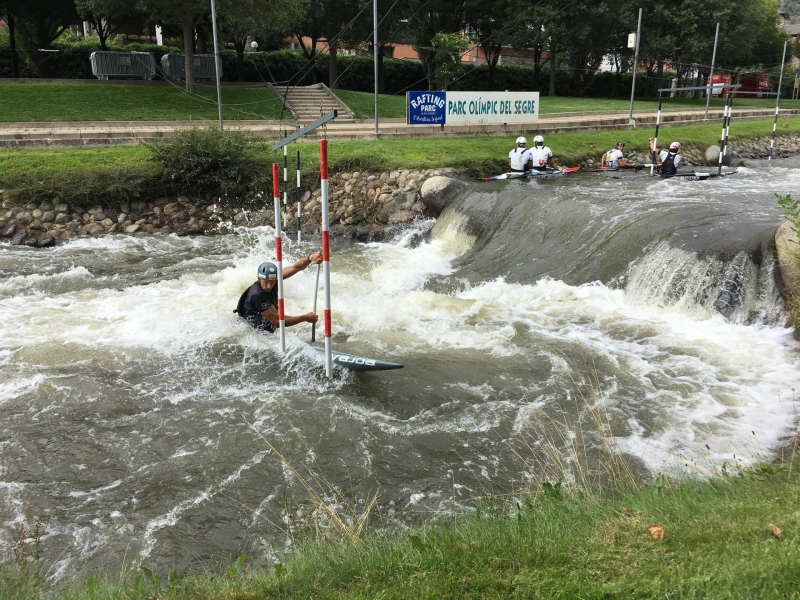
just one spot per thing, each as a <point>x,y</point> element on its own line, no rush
<point>363,206</point>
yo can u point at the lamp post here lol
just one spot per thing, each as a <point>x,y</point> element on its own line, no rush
<point>375,56</point>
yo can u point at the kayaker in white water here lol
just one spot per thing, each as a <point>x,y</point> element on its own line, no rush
<point>615,159</point>
<point>541,155</point>
<point>258,305</point>
<point>519,159</point>
<point>670,159</point>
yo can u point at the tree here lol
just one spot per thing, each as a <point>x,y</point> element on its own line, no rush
<point>328,20</point>
<point>495,24</point>
<point>187,14</point>
<point>427,19</point>
<point>39,24</point>
<point>241,19</point>
<point>106,16</point>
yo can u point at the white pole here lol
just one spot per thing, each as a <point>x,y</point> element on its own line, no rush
<point>777,102</point>
<point>711,75</point>
<point>375,54</point>
<point>276,196</point>
<point>216,60</point>
<point>635,67</point>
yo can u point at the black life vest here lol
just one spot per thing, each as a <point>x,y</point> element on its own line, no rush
<point>668,165</point>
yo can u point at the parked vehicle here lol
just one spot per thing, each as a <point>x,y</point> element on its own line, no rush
<point>754,85</point>
<point>719,80</point>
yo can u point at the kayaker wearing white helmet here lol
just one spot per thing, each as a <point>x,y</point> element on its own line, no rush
<point>670,159</point>
<point>258,305</point>
<point>614,159</point>
<point>519,159</point>
<point>541,155</point>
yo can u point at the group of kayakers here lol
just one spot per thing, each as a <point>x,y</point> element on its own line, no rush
<point>522,159</point>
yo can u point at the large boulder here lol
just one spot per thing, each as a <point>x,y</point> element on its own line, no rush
<point>712,156</point>
<point>437,192</point>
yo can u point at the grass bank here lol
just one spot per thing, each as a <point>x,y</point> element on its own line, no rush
<point>48,102</point>
<point>394,107</point>
<point>113,173</point>
<point>736,536</point>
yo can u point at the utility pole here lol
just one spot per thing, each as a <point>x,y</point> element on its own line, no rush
<point>375,55</point>
<point>216,60</point>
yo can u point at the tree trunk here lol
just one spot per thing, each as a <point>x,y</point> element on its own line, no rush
<point>188,51</point>
<point>12,44</point>
<point>333,71</point>
<point>552,91</point>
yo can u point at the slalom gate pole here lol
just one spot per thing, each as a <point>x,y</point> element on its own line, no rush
<point>276,195</point>
<point>299,233</point>
<point>285,185</point>
<point>326,253</point>
<point>655,138</point>
<point>777,103</point>
<point>724,149</point>
<point>723,137</point>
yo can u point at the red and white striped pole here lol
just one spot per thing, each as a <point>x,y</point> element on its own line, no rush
<point>326,253</point>
<point>276,195</point>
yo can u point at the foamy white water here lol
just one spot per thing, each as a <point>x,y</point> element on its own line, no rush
<point>136,408</point>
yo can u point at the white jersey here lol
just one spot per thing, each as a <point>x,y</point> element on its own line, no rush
<point>612,158</point>
<point>519,158</point>
<point>540,156</point>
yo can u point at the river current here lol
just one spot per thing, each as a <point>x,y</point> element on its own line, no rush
<point>540,324</point>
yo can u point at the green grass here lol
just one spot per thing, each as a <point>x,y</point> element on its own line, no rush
<point>479,156</point>
<point>720,540</point>
<point>394,107</point>
<point>47,102</point>
<point>363,104</point>
<point>27,102</point>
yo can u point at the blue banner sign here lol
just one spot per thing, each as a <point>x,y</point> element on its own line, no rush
<point>426,108</point>
<point>472,108</point>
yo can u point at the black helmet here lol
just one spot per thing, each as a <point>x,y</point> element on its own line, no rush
<point>267,270</point>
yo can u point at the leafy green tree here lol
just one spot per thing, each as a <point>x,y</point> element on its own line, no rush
<point>427,19</point>
<point>449,47</point>
<point>106,16</point>
<point>241,19</point>
<point>332,21</point>
<point>495,25</point>
<point>187,14</point>
<point>39,23</point>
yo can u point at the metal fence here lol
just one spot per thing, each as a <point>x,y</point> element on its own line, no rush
<point>174,66</point>
<point>123,64</point>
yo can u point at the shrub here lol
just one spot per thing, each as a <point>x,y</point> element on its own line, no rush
<point>207,161</point>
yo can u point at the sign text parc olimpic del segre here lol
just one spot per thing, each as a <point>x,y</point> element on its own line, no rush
<point>451,108</point>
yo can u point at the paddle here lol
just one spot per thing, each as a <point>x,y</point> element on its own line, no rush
<point>314,307</point>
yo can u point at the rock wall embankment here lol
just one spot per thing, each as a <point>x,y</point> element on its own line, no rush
<point>362,205</point>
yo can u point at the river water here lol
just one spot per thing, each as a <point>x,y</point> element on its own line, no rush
<point>542,325</point>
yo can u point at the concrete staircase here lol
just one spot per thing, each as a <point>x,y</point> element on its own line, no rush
<point>312,101</point>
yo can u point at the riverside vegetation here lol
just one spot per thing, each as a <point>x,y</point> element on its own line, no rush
<point>204,181</point>
<point>593,534</point>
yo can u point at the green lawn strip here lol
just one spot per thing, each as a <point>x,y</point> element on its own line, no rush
<point>394,107</point>
<point>717,544</point>
<point>47,102</point>
<point>44,171</point>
